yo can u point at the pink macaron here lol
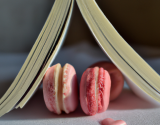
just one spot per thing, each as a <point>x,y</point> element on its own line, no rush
<point>95,90</point>
<point>117,79</point>
<point>60,89</point>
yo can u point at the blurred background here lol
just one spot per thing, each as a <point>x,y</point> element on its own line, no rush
<point>136,20</point>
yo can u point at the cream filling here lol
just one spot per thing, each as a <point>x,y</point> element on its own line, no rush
<point>96,86</point>
<point>58,87</point>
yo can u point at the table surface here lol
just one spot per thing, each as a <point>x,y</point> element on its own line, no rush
<point>127,107</point>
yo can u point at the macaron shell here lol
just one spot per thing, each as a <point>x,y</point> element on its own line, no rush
<point>104,82</point>
<point>117,79</point>
<point>51,88</point>
<point>83,98</point>
<point>70,89</point>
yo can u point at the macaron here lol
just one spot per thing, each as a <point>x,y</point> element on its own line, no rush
<point>60,89</point>
<point>94,90</point>
<point>117,79</point>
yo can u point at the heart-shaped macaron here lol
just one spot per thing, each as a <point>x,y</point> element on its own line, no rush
<point>60,89</point>
<point>109,121</point>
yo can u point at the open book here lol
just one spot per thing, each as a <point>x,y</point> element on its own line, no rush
<point>40,57</point>
<point>141,78</point>
<point>139,75</point>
